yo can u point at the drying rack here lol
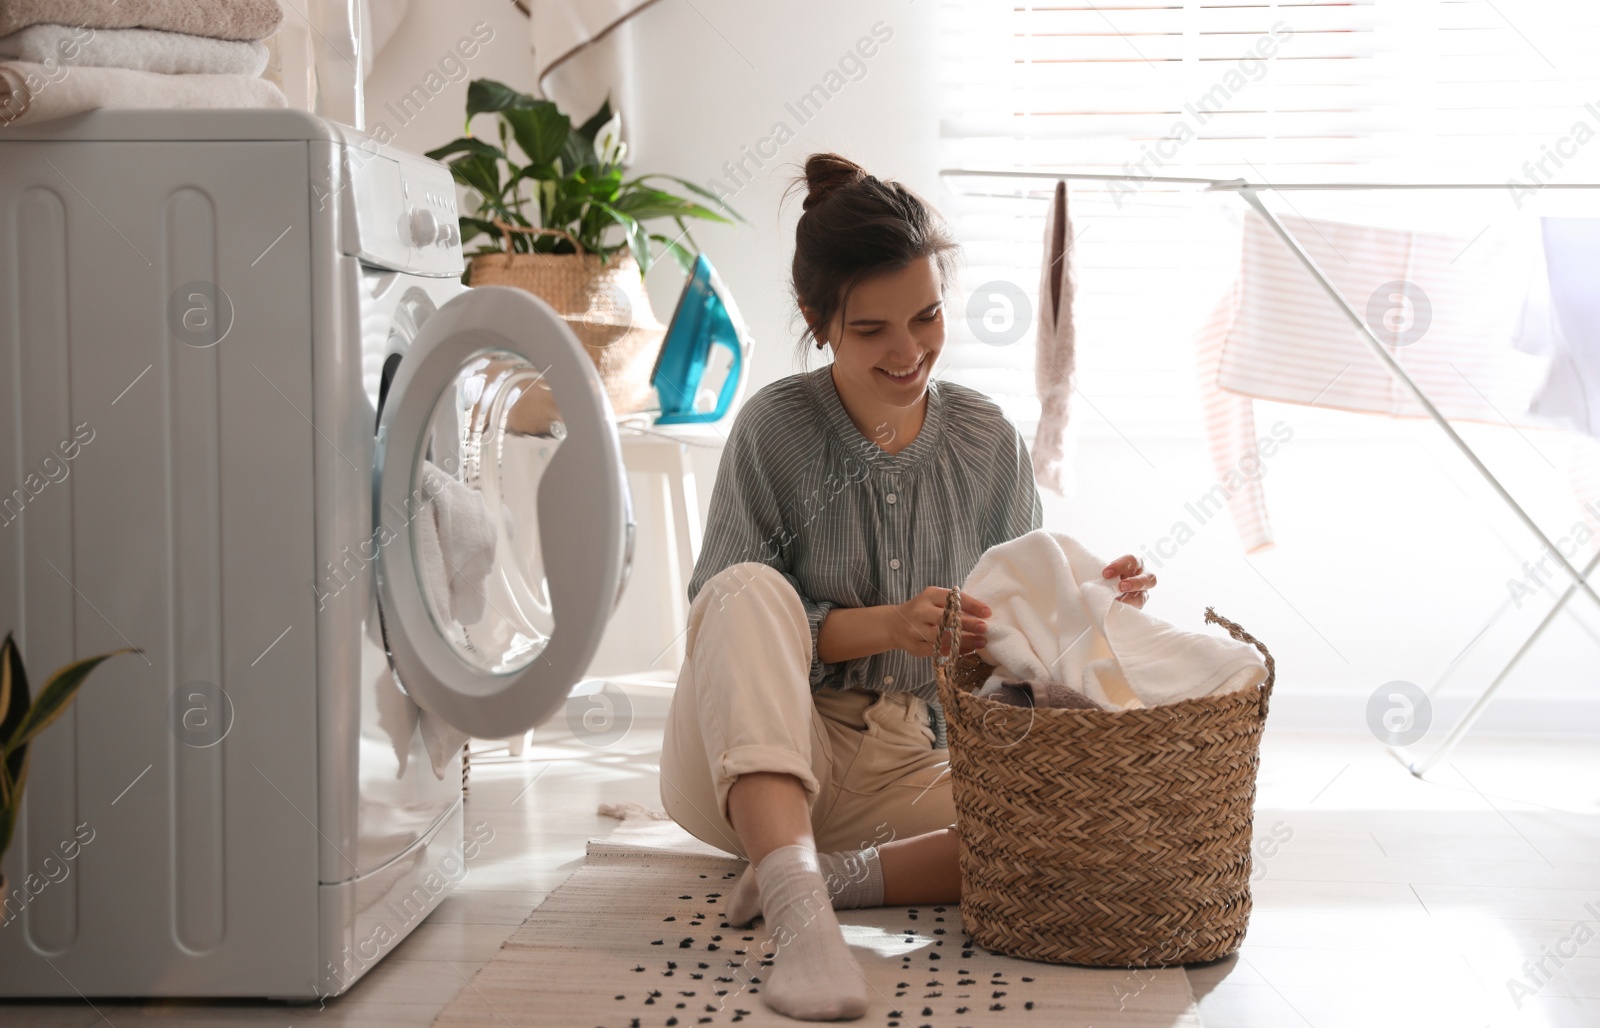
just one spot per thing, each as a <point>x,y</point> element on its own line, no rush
<point>1250,192</point>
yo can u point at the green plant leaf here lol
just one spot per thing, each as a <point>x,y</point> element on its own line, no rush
<point>14,698</point>
<point>679,252</point>
<point>577,153</point>
<point>645,203</point>
<point>13,766</point>
<point>466,144</point>
<point>541,131</point>
<point>700,191</point>
<point>482,174</point>
<point>607,184</point>
<point>683,233</point>
<point>589,129</point>
<point>472,228</point>
<point>54,697</point>
<point>638,238</point>
<point>8,810</point>
<point>486,95</point>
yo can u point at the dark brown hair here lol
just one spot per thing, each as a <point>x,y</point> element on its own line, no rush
<point>853,226</point>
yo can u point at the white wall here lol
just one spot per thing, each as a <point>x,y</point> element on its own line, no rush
<point>1391,555</point>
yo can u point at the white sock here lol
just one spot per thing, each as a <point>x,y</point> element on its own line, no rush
<point>854,878</point>
<point>813,977</point>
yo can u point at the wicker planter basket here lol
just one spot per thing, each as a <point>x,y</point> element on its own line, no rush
<point>605,305</point>
<point>1102,837</point>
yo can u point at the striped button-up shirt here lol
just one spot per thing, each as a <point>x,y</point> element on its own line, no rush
<point>801,489</point>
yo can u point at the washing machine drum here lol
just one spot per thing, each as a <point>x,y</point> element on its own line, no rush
<point>502,512</point>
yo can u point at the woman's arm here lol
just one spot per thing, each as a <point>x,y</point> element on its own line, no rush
<point>913,626</point>
<point>851,632</point>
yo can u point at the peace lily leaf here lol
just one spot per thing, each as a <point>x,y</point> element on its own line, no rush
<point>591,128</point>
<point>578,153</point>
<point>653,203</point>
<point>541,131</point>
<point>638,238</point>
<point>466,144</point>
<point>707,194</point>
<point>480,173</point>
<point>487,95</point>
<point>471,228</point>
<point>679,253</point>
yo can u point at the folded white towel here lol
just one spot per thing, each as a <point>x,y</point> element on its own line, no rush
<point>37,92</point>
<point>167,53</point>
<point>1056,619</point>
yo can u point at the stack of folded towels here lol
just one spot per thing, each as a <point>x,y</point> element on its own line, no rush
<point>1059,637</point>
<point>61,57</point>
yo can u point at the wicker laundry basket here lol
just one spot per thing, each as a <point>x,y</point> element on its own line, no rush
<point>605,305</point>
<point>1113,838</point>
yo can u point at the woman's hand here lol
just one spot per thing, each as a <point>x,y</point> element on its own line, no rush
<point>914,624</point>
<point>1134,584</point>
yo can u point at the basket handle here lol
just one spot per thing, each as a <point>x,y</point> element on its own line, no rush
<point>507,228</point>
<point>1213,618</point>
<point>949,630</point>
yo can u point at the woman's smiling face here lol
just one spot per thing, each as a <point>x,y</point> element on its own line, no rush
<point>892,332</point>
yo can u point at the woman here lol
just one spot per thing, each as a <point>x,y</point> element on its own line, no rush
<point>848,499</point>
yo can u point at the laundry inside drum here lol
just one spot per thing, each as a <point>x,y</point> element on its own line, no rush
<point>494,431</point>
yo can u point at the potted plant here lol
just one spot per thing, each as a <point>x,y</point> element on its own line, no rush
<point>22,721</point>
<point>558,217</point>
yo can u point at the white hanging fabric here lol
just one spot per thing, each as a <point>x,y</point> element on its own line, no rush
<point>583,52</point>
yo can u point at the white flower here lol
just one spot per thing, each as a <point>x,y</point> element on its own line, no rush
<point>608,143</point>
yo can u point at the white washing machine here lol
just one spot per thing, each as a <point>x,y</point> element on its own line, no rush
<point>236,359</point>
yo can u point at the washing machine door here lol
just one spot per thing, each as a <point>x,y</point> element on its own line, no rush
<point>501,511</point>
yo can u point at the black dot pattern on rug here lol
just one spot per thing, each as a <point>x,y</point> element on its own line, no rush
<point>726,986</point>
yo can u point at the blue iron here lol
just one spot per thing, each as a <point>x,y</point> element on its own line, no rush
<point>706,316</point>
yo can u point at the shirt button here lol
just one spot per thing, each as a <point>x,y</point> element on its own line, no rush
<point>895,564</point>
<point>888,679</point>
<point>890,498</point>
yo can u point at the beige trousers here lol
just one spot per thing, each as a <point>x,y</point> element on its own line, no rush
<point>744,703</point>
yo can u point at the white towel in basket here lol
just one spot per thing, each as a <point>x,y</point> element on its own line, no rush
<point>1056,619</point>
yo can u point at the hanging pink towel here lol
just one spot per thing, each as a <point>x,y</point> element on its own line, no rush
<point>1055,354</point>
<point>1446,306</point>
<point>1230,426</point>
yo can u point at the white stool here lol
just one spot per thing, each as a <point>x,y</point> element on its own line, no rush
<point>664,453</point>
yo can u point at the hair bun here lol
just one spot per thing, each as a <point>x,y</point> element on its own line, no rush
<point>826,172</point>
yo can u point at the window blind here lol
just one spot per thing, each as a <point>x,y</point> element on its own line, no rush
<point>1381,90</point>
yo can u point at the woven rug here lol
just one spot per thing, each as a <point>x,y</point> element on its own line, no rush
<point>636,939</point>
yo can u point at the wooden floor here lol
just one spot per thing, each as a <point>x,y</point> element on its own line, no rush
<point>1384,901</point>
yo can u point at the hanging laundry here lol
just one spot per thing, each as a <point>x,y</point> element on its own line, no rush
<point>1561,321</point>
<point>1447,308</point>
<point>1055,354</point>
<point>1229,422</point>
